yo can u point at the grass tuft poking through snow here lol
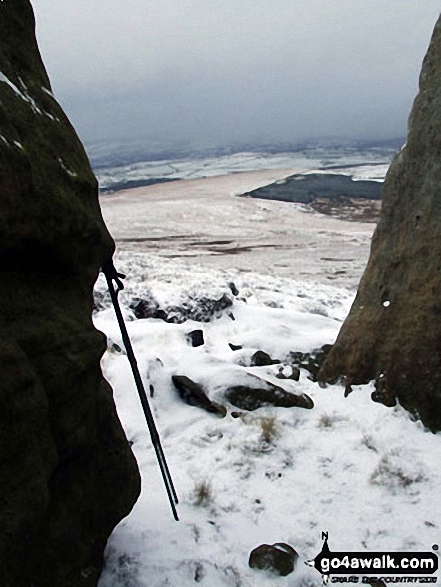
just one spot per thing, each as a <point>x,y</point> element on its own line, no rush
<point>269,432</point>
<point>395,471</point>
<point>202,494</point>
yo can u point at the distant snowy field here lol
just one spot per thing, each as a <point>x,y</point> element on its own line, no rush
<point>365,473</point>
<point>205,223</point>
<point>367,164</point>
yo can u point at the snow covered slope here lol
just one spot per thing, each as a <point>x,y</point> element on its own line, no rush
<point>365,473</point>
<point>205,223</point>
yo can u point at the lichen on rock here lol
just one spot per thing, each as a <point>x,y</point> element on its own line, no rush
<point>68,474</point>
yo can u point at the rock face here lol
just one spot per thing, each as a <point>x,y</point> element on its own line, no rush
<point>280,558</point>
<point>67,473</point>
<point>393,331</point>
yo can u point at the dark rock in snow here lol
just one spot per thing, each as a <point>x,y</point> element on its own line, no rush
<point>251,398</point>
<point>261,359</point>
<point>235,347</point>
<point>196,338</point>
<point>347,381</point>
<point>383,393</point>
<point>194,395</point>
<point>295,374</point>
<point>99,301</point>
<point>199,309</point>
<point>233,288</point>
<point>161,315</point>
<point>279,558</point>
<point>146,307</point>
<point>389,401</point>
<point>312,361</point>
<point>209,308</point>
<point>68,475</point>
<point>115,348</point>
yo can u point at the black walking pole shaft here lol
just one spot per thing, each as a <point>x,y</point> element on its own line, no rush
<point>111,274</point>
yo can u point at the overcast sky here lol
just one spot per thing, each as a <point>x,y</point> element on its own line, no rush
<point>236,70</point>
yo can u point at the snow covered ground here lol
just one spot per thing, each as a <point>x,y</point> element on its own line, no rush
<point>367,163</point>
<point>204,222</point>
<point>366,474</point>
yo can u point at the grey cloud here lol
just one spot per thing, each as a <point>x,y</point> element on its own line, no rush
<point>239,69</point>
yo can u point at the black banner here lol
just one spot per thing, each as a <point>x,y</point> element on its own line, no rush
<point>374,563</point>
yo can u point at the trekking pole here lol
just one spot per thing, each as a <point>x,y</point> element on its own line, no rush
<point>113,276</point>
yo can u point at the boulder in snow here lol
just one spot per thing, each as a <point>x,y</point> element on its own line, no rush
<point>312,361</point>
<point>262,359</point>
<point>194,395</point>
<point>250,398</point>
<point>279,558</point>
<point>196,338</point>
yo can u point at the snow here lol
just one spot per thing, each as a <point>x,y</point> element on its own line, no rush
<point>367,474</point>
<point>204,222</point>
<point>8,144</point>
<point>358,173</point>
<point>48,92</point>
<point>6,80</point>
<point>346,162</point>
<point>70,173</point>
<point>24,96</point>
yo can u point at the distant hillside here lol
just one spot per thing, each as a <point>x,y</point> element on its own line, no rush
<point>305,189</point>
<point>113,153</point>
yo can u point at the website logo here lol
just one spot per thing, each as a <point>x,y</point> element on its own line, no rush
<point>375,563</point>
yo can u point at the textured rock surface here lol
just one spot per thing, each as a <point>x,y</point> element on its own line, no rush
<point>394,327</point>
<point>193,394</point>
<point>67,473</point>
<point>312,362</point>
<point>280,558</point>
<point>199,309</point>
<point>260,359</point>
<point>251,398</point>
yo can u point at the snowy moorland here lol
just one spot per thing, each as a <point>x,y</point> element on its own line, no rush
<point>208,223</point>
<point>367,474</point>
<point>367,164</point>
